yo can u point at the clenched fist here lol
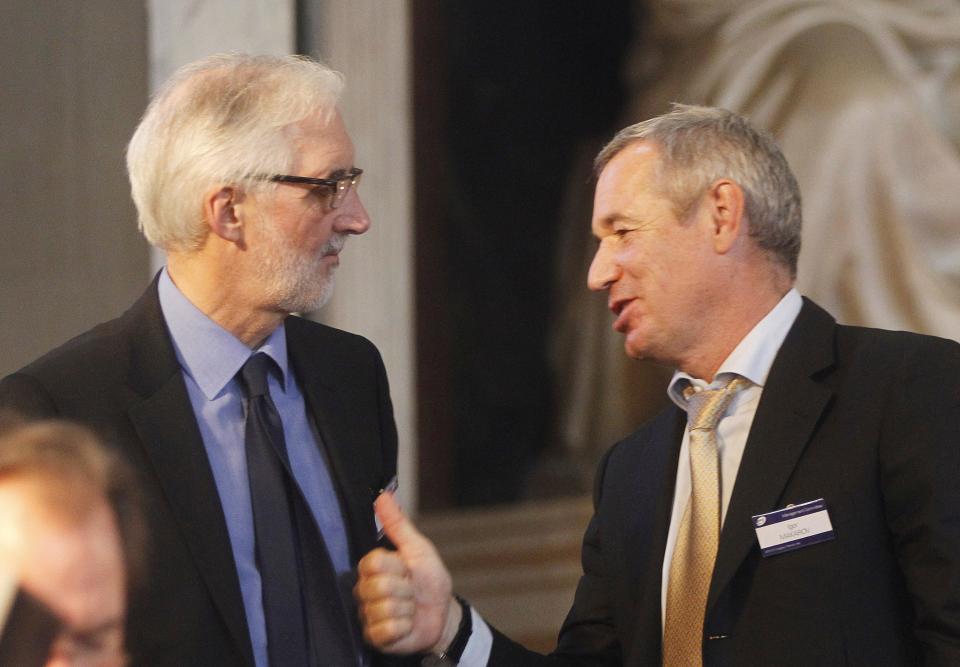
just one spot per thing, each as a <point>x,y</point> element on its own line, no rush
<point>404,596</point>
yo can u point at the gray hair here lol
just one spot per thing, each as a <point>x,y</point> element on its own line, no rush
<point>223,119</point>
<point>700,145</point>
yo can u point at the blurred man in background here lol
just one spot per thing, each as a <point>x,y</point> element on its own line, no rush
<point>70,530</point>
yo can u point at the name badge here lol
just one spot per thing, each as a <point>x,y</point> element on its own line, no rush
<point>793,527</point>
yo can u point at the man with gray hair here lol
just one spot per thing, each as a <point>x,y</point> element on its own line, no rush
<point>797,505</point>
<point>261,438</point>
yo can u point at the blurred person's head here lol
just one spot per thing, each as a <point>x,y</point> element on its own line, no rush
<point>70,530</point>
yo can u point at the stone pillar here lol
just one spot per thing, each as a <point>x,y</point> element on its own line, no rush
<point>74,85</point>
<point>369,41</point>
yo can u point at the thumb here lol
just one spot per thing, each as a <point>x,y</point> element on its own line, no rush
<point>397,526</point>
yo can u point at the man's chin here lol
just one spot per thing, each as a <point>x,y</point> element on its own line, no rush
<point>632,347</point>
<point>644,353</point>
<point>321,298</point>
<point>309,300</point>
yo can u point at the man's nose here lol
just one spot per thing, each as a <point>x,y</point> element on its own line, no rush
<point>351,216</point>
<point>603,270</point>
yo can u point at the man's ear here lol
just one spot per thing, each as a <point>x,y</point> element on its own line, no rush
<point>726,203</point>
<point>222,214</point>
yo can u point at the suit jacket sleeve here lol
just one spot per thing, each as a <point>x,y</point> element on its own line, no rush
<point>388,427</point>
<point>920,478</point>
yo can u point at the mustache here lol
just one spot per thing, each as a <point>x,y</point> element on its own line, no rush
<point>334,245</point>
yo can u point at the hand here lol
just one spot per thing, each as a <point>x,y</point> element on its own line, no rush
<point>404,596</point>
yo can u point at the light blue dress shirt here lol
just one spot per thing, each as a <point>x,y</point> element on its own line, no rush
<point>210,358</point>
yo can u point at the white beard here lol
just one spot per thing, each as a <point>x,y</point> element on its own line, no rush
<point>295,282</point>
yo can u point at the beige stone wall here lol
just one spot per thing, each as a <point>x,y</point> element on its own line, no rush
<point>369,41</point>
<point>74,85</point>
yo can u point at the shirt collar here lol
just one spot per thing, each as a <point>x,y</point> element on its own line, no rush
<point>207,352</point>
<point>753,356</point>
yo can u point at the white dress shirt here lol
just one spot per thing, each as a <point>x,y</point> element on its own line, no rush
<point>752,359</point>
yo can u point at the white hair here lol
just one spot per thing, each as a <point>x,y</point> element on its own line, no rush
<point>223,119</point>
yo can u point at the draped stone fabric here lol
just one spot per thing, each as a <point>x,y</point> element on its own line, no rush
<point>863,97</point>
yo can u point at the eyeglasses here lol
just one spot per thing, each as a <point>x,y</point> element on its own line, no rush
<point>339,187</point>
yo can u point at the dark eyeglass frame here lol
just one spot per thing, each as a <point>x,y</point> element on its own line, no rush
<point>340,187</point>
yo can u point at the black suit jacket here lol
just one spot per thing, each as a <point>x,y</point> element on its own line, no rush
<point>869,420</point>
<point>123,379</point>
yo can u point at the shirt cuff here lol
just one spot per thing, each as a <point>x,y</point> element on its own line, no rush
<point>477,651</point>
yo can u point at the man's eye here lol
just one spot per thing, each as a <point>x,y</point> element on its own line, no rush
<point>320,192</point>
<point>621,232</point>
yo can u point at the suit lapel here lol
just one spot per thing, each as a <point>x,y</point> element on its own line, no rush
<point>790,408</point>
<point>350,467</point>
<point>349,454</point>
<point>168,430</point>
<point>656,472</point>
<point>353,464</point>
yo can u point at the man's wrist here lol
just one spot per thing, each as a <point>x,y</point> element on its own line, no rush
<point>456,633</point>
<point>450,626</point>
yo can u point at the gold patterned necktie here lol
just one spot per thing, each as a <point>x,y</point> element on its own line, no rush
<point>691,567</point>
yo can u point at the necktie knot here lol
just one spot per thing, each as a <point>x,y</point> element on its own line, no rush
<point>253,375</point>
<point>705,408</point>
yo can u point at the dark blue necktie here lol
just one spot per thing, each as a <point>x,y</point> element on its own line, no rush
<point>304,612</point>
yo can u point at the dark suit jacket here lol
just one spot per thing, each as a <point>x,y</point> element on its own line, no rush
<point>123,379</point>
<point>869,420</point>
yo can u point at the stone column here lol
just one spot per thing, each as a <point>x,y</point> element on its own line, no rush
<point>369,41</point>
<point>74,84</point>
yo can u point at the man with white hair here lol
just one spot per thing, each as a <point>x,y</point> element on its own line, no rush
<point>261,438</point>
<point>798,504</point>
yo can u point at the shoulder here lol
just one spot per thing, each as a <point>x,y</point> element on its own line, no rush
<point>82,367</point>
<point>308,332</point>
<point>903,383</point>
<point>93,353</point>
<point>818,345</point>
<point>897,353</point>
<point>657,433</point>
<point>645,454</point>
<point>96,362</point>
<point>328,345</point>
